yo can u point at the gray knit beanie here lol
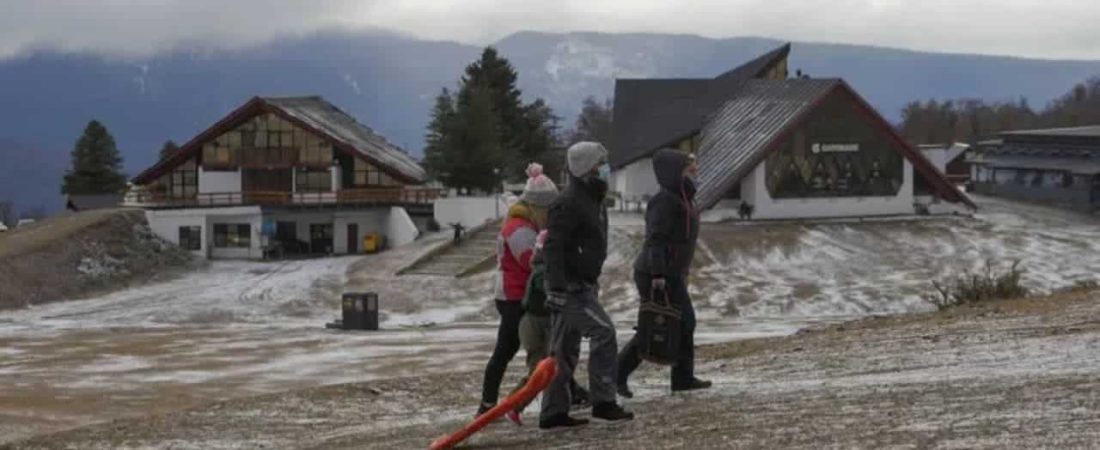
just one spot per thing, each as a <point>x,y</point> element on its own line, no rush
<point>540,189</point>
<point>582,157</point>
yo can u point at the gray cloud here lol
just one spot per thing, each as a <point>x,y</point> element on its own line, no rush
<point>1034,28</point>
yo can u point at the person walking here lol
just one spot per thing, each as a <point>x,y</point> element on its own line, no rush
<point>576,247</point>
<point>534,331</point>
<point>515,246</point>
<point>671,230</point>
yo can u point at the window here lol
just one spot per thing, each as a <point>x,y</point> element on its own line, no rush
<point>1067,179</point>
<point>215,155</point>
<point>232,235</point>
<point>315,156</point>
<point>191,238</point>
<point>184,181</point>
<point>367,174</point>
<point>313,181</point>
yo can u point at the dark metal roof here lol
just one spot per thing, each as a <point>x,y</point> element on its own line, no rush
<point>1087,131</point>
<point>653,113</point>
<point>316,115</point>
<point>739,134</point>
<point>92,201</point>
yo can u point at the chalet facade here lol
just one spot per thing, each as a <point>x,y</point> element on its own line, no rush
<point>295,174</point>
<point>1059,166</point>
<point>789,148</point>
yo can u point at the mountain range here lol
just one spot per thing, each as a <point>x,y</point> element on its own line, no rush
<point>389,81</point>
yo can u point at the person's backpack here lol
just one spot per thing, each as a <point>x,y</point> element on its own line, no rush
<point>659,329</point>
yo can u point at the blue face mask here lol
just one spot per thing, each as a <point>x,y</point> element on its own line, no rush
<point>605,172</point>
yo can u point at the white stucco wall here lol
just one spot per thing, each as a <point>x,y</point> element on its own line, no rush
<point>219,181</point>
<point>166,224</point>
<point>756,192</point>
<point>369,221</point>
<point>469,211</point>
<point>400,228</point>
<point>636,180</point>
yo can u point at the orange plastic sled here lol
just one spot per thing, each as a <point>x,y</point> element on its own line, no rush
<point>537,382</point>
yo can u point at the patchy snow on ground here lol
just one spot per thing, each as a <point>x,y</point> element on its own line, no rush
<point>237,328</point>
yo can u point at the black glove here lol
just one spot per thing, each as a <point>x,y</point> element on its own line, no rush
<point>555,300</point>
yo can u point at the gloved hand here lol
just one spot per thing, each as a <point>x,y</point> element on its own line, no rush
<point>658,283</point>
<point>555,300</point>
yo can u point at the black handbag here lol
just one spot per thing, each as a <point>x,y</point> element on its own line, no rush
<point>659,329</point>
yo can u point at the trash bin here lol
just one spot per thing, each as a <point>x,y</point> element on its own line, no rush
<point>371,242</point>
<point>360,311</point>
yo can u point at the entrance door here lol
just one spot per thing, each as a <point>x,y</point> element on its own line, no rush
<point>320,238</point>
<point>353,238</point>
<point>286,233</point>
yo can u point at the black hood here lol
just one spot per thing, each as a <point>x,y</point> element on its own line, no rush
<point>668,165</point>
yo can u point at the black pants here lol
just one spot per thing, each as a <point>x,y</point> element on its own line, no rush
<point>507,346</point>
<point>683,371</point>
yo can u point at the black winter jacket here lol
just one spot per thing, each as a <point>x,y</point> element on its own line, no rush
<point>671,220</point>
<point>576,240</point>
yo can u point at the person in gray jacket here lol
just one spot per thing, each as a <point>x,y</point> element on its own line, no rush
<point>576,246</point>
<point>671,229</point>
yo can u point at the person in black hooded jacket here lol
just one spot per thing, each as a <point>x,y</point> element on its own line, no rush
<point>672,227</point>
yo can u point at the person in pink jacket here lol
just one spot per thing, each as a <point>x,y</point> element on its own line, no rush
<point>515,247</point>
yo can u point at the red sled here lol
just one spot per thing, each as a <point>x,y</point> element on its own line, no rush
<point>537,382</point>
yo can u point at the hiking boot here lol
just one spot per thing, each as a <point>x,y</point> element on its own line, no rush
<point>695,384</point>
<point>483,408</point>
<point>561,421</point>
<point>624,391</point>
<point>611,412</point>
<point>580,399</point>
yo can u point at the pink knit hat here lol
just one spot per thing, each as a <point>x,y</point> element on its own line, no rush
<point>540,189</point>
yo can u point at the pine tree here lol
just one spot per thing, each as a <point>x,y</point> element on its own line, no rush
<point>593,123</point>
<point>96,164</point>
<point>484,134</point>
<point>168,149</point>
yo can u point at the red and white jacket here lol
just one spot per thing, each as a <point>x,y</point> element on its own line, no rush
<point>515,247</point>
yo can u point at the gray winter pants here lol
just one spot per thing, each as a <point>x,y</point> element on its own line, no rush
<point>581,317</point>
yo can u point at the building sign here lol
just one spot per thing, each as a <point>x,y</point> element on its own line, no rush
<point>834,148</point>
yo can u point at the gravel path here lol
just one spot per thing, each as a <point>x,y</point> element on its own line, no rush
<point>1019,374</point>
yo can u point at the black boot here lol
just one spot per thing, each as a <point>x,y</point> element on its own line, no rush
<point>483,408</point>
<point>580,398</point>
<point>611,412</point>
<point>561,421</point>
<point>694,384</point>
<point>624,391</point>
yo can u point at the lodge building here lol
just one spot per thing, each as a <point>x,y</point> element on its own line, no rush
<point>293,173</point>
<point>791,148</point>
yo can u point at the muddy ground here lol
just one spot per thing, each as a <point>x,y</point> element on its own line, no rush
<point>1018,374</point>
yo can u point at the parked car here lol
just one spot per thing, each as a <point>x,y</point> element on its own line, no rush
<point>24,222</point>
<point>3,227</point>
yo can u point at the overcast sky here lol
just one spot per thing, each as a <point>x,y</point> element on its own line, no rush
<point>1032,28</point>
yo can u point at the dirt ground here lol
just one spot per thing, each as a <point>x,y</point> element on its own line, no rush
<point>1018,374</point>
<point>83,254</point>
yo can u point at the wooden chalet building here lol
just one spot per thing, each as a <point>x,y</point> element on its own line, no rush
<point>790,148</point>
<point>293,173</point>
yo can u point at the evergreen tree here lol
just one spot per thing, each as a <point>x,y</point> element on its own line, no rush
<point>96,164</point>
<point>593,123</point>
<point>168,149</point>
<point>484,134</point>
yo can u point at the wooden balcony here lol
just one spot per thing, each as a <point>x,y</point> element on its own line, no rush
<point>353,197</point>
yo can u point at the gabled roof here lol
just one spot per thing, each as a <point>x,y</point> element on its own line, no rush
<point>312,114</point>
<point>653,113</point>
<point>1086,131</point>
<point>740,134</point>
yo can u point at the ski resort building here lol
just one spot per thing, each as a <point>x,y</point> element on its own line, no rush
<point>788,148</point>
<point>285,175</point>
<point>1059,166</point>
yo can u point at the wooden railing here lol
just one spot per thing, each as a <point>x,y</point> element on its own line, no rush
<point>140,198</point>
